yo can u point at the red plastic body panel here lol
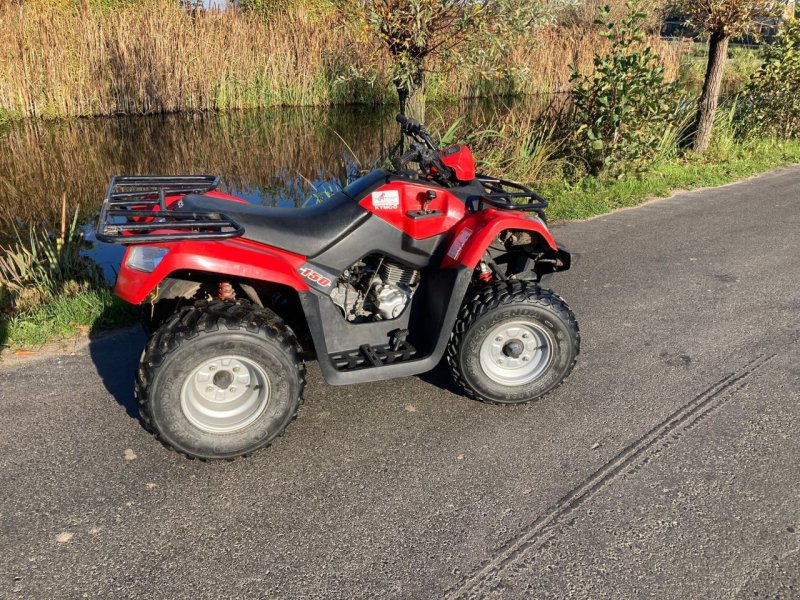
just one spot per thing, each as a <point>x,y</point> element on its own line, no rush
<point>234,258</point>
<point>170,200</point>
<point>474,234</point>
<point>393,201</point>
<point>460,159</point>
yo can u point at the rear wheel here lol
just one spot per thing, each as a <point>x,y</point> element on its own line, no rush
<point>513,342</point>
<point>220,379</point>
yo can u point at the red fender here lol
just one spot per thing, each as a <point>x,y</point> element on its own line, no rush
<point>236,258</point>
<point>474,234</point>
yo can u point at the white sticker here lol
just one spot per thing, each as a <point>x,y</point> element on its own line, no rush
<point>386,200</point>
<point>459,243</point>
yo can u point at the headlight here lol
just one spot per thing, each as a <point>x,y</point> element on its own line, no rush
<point>145,258</point>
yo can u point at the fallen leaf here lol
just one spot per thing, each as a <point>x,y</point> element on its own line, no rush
<point>24,352</point>
<point>64,537</point>
<point>129,454</point>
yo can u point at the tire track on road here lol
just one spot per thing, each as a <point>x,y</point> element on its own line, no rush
<point>483,580</point>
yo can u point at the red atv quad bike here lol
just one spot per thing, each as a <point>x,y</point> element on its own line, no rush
<point>385,278</point>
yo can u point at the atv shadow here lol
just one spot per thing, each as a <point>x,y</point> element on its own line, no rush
<point>116,356</point>
<point>441,377</point>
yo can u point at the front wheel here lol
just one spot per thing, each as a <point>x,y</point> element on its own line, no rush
<point>220,379</point>
<point>513,342</point>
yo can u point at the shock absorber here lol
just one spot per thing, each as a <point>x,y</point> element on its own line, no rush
<point>486,273</point>
<point>226,291</point>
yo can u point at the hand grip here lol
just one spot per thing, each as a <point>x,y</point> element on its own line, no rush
<point>412,154</point>
<point>408,124</point>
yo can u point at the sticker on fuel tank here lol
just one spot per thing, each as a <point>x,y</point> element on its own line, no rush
<point>459,243</point>
<point>386,200</point>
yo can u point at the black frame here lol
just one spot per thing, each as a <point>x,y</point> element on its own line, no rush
<point>440,306</point>
<point>132,197</point>
<point>501,194</point>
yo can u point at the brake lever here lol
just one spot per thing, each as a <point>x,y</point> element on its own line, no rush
<point>433,166</point>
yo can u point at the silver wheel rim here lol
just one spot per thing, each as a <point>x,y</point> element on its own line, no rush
<point>225,394</point>
<point>516,353</point>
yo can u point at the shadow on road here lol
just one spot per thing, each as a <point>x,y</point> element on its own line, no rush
<point>441,378</point>
<point>116,356</point>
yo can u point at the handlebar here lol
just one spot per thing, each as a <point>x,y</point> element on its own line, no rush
<point>410,126</point>
<point>408,156</point>
<point>414,129</point>
<point>424,150</point>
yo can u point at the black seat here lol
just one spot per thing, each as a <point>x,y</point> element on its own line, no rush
<point>307,231</point>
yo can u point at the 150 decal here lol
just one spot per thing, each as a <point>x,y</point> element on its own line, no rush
<point>317,278</point>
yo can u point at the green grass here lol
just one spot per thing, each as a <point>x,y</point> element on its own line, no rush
<point>91,311</point>
<point>591,196</point>
<point>740,66</point>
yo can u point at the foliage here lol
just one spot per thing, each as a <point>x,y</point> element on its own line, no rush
<point>721,20</point>
<point>39,267</point>
<point>522,145</point>
<point>728,18</point>
<point>59,62</point>
<point>742,64</point>
<point>416,32</point>
<point>269,8</point>
<point>584,12</point>
<point>624,109</point>
<point>772,95</point>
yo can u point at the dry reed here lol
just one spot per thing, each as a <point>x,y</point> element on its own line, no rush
<point>138,58</point>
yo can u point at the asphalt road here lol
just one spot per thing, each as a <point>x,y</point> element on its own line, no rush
<point>667,466</point>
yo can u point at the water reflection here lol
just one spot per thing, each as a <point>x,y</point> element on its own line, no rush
<point>276,157</point>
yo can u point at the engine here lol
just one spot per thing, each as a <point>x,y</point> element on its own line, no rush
<point>375,289</point>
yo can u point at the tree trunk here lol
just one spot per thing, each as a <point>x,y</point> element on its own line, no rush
<point>415,103</point>
<point>411,91</point>
<point>709,99</point>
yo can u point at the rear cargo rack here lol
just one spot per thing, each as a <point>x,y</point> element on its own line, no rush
<point>502,194</point>
<point>135,211</point>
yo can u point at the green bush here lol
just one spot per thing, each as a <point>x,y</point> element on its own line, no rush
<point>40,267</point>
<point>625,109</point>
<point>773,94</point>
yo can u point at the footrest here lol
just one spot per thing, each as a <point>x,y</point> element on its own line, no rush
<point>369,354</point>
<point>369,357</point>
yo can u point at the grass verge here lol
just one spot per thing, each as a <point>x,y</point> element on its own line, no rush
<point>591,196</point>
<point>85,312</point>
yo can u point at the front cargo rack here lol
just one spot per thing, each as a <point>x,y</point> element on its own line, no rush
<point>135,211</point>
<point>503,193</point>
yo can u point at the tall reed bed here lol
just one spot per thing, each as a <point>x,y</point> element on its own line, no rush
<point>156,57</point>
<point>147,57</point>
